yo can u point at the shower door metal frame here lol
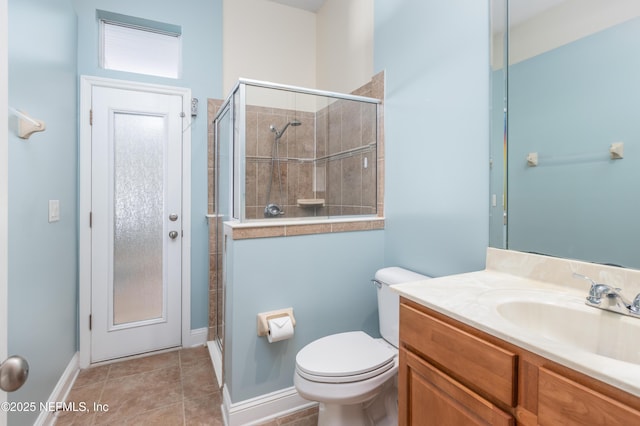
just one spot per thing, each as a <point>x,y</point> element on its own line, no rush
<point>239,152</point>
<point>219,230</point>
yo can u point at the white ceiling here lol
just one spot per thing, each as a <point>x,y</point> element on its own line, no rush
<point>521,10</point>
<point>310,5</point>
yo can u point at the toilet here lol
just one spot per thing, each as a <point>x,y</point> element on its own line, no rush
<point>353,375</point>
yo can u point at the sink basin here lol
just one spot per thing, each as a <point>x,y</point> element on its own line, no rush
<point>565,319</point>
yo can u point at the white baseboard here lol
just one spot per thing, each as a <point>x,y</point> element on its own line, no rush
<point>263,408</point>
<point>197,337</point>
<point>216,360</point>
<point>61,391</point>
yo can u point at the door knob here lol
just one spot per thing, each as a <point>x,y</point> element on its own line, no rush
<point>13,373</point>
<point>173,217</point>
<point>173,235</point>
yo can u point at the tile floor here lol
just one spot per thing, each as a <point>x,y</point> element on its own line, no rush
<point>173,388</point>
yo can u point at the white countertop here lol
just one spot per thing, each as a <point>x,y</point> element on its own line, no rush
<point>471,299</point>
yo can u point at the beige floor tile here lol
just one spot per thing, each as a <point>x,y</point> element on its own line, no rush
<point>188,356</point>
<point>171,415</point>
<point>306,417</point>
<point>141,365</point>
<point>92,375</point>
<point>80,398</point>
<point>202,412</point>
<point>131,395</point>
<point>199,385</point>
<point>172,389</point>
<point>74,420</point>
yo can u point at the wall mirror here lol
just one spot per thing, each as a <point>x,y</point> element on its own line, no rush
<point>565,130</point>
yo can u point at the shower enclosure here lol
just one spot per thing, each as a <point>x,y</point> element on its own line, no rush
<point>286,153</point>
<point>299,153</point>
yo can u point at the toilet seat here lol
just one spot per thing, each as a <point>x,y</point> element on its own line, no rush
<point>344,358</point>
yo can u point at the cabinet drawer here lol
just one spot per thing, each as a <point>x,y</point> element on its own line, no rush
<point>482,366</point>
<point>433,398</point>
<point>563,401</point>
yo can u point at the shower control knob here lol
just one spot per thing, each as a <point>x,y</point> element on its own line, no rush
<point>173,235</point>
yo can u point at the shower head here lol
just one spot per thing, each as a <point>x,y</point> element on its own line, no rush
<point>279,133</point>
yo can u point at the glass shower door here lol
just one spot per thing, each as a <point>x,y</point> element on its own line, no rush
<point>223,146</point>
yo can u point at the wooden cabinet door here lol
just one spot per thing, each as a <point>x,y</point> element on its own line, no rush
<point>563,401</point>
<point>430,397</point>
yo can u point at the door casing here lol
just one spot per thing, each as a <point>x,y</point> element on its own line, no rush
<point>4,187</point>
<point>86,85</point>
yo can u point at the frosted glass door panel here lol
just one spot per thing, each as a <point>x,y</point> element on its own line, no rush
<point>139,162</point>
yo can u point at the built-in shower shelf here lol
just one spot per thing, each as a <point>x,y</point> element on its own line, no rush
<point>310,202</point>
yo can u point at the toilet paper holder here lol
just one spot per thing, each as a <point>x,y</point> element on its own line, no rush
<point>264,317</point>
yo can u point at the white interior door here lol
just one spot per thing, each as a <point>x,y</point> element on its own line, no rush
<point>136,216</point>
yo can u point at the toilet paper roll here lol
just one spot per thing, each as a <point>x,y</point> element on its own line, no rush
<point>280,328</point>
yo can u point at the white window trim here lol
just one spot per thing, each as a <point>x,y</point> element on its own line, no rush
<point>172,69</point>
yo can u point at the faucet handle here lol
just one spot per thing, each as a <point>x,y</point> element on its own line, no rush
<point>635,305</point>
<point>596,291</point>
<point>584,277</point>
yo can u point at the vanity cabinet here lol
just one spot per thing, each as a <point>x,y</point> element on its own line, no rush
<point>453,374</point>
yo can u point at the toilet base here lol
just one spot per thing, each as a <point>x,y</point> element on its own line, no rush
<point>334,415</point>
<point>382,410</point>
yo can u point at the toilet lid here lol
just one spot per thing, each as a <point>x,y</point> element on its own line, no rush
<point>344,357</point>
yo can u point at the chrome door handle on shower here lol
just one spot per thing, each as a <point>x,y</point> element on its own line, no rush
<point>173,235</point>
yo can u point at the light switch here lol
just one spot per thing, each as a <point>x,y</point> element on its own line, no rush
<point>54,210</point>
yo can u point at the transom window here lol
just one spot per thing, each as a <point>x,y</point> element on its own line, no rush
<point>139,45</point>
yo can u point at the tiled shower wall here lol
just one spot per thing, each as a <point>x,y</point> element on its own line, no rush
<point>216,324</point>
<point>346,157</point>
<point>294,163</point>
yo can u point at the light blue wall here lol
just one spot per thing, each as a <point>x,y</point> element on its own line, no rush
<point>201,22</point>
<point>569,105</point>
<point>324,278</point>
<point>497,229</point>
<point>436,59</point>
<point>42,256</point>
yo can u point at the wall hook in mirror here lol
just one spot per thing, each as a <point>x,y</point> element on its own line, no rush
<point>27,125</point>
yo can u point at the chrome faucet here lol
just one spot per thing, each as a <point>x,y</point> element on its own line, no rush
<point>615,300</point>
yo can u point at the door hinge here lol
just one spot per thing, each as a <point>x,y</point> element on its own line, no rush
<point>90,321</point>
<point>90,219</point>
<point>90,117</point>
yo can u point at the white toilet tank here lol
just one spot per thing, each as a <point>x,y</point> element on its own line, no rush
<point>389,300</point>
